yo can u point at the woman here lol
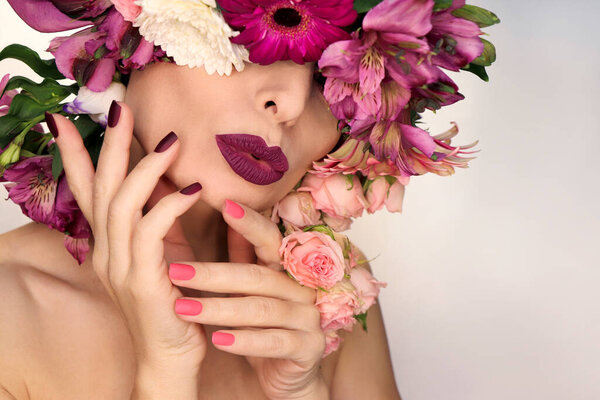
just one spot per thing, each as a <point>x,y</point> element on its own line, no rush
<point>200,195</point>
<point>71,336</point>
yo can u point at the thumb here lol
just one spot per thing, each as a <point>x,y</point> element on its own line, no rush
<point>240,249</point>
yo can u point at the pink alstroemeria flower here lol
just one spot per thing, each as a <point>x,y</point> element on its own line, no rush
<point>7,97</point>
<point>297,30</point>
<point>455,40</point>
<point>388,49</point>
<point>58,15</point>
<point>91,57</point>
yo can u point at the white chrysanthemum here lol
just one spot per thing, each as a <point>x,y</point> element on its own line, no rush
<point>193,32</point>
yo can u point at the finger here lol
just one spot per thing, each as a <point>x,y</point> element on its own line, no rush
<point>300,346</point>
<point>257,229</point>
<point>251,279</point>
<point>110,173</point>
<point>77,164</point>
<point>147,241</point>
<point>255,311</point>
<point>239,248</point>
<point>125,210</point>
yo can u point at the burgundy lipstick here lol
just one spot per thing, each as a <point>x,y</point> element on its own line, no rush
<point>251,158</point>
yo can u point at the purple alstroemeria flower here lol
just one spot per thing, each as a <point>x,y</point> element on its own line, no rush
<point>58,15</point>
<point>7,97</point>
<point>96,104</point>
<point>387,49</point>
<point>30,184</point>
<point>455,40</point>
<point>92,56</point>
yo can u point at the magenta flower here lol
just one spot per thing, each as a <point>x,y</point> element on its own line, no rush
<point>297,30</point>
<point>440,93</point>
<point>58,15</point>
<point>388,49</point>
<point>7,97</point>
<point>455,41</point>
<point>91,56</point>
<point>30,184</point>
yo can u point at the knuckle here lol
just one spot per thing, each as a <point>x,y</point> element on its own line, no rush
<point>255,274</point>
<point>277,344</point>
<point>263,309</point>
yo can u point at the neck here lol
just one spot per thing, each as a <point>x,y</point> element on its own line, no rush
<point>206,232</point>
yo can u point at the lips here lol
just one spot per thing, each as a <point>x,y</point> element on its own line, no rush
<point>251,158</point>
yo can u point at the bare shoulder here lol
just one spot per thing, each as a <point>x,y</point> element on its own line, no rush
<point>39,287</point>
<point>364,369</point>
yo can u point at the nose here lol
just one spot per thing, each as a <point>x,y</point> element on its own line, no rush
<point>284,91</point>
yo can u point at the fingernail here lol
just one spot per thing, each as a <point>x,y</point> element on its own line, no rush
<point>234,209</point>
<point>191,189</point>
<point>114,114</point>
<point>181,272</point>
<point>166,142</point>
<point>223,338</point>
<point>51,124</point>
<point>188,307</point>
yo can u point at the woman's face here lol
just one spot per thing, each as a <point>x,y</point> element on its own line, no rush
<point>278,103</point>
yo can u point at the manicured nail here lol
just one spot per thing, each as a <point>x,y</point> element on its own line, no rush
<point>191,189</point>
<point>223,338</point>
<point>188,307</point>
<point>181,272</point>
<point>234,209</point>
<point>51,124</point>
<point>166,142</point>
<point>114,114</point>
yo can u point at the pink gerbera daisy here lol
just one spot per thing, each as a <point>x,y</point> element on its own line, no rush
<point>299,30</point>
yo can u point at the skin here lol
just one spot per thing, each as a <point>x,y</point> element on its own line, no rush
<point>141,223</point>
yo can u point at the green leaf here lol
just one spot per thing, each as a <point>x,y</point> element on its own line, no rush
<point>362,6</point>
<point>488,56</point>
<point>10,126</point>
<point>26,108</point>
<point>441,5</point>
<point>48,92</point>
<point>86,127</point>
<point>362,318</point>
<point>320,228</point>
<point>57,165</point>
<point>477,70</point>
<point>44,68</point>
<point>480,16</point>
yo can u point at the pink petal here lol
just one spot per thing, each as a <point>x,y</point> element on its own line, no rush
<point>419,138</point>
<point>401,16</point>
<point>43,16</point>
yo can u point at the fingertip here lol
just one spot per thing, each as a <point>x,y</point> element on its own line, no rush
<point>51,122</point>
<point>191,189</point>
<point>234,209</point>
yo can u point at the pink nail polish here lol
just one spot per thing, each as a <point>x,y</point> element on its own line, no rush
<point>181,272</point>
<point>223,338</point>
<point>188,307</point>
<point>234,209</point>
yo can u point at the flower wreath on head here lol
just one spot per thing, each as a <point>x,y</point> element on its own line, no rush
<point>382,64</point>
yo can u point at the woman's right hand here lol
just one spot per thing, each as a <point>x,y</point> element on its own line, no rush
<point>128,253</point>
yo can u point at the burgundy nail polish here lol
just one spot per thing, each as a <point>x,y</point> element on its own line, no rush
<point>114,114</point>
<point>51,124</point>
<point>191,189</point>
<point>166,142</point>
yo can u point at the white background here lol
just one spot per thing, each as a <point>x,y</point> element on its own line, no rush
<point>493,273</point>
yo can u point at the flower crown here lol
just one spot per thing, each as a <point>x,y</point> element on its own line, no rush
<point>382,66</point>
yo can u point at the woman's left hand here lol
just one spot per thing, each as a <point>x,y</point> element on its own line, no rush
<point>275,322</point>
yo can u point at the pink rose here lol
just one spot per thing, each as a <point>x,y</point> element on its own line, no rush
<point>337,306</point>
<point>338,224</point>
<point>128,9</point>
<point>337,195</point>
<point>395,197</point>
<point>367,288</point>
<point>313,258</point>
<point>377,194</point>
<point>298,210</point>
<point>332,342</point>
